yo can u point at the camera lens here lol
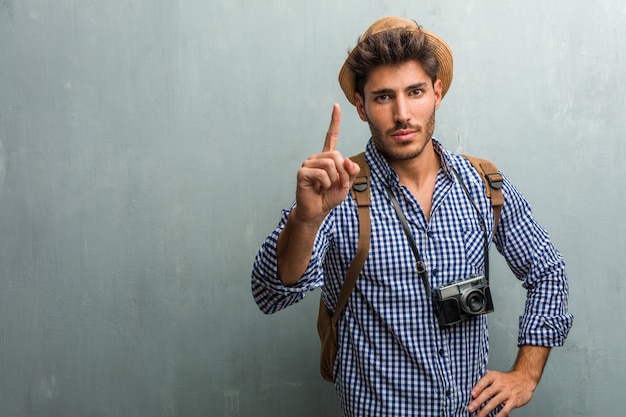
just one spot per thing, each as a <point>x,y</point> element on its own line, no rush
<point>473,301</point>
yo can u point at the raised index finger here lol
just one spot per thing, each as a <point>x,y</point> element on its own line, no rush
<point>332,136</point>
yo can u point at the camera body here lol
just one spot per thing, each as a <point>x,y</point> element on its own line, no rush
<point>461,300</point>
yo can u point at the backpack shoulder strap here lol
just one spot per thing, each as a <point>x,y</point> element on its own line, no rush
<point>493,184</point>
<point>361,194</point>
<point>360,188</point>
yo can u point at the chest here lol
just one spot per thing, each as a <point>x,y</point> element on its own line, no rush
<point>450,240</point>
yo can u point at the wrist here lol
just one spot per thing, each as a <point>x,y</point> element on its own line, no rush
<point>301,221</point>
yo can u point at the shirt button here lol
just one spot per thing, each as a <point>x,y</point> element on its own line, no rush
<point>434,272</point>
<point>441,352</point>
<point>448,393</point>
<point>429,233</point>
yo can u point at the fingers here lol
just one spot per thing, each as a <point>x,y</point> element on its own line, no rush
<point>331,168</point>
<point>483,383</point>
<point>321,185</point>
<point>332,136</point>
<point>510,390</point>
<point>486,396</point>
<point>344,169</point>
<point>489,404</point>
<point>325,178</point>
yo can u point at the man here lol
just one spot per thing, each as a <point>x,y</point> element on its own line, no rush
<point>394,357</point>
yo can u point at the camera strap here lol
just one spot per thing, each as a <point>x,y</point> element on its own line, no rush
<point>421,267</point>
<point>482,224</point>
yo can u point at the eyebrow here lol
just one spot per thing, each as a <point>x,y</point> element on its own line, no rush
<point>390,91</point>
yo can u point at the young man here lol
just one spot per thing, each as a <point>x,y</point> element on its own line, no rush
<point>395,358</point>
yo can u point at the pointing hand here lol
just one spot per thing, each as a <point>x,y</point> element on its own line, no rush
<point>324,179</point>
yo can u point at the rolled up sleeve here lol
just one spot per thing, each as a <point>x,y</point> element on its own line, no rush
<point>268,290</point>
<point>535,261</point>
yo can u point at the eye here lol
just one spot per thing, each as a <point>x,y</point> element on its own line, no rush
<point>417,92</point>
<point>383,97</point>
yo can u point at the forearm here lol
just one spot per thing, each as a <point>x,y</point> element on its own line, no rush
<point>531,361</point>
<point>294,248</point>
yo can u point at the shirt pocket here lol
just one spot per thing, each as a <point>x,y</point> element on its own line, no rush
<point>473,241</point>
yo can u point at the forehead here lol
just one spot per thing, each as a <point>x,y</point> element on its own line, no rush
<point>396,76</point>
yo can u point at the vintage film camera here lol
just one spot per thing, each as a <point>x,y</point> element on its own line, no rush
<point>462,300</point>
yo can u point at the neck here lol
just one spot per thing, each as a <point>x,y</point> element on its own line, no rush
<point>419,170</point>
<point>418,175</point>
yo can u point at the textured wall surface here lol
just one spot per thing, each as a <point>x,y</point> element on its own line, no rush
<point>147,147</point>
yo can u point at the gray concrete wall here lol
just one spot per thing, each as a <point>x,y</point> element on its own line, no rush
<point>146,148</point>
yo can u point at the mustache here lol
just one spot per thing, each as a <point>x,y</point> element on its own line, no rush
<point>404,126</point>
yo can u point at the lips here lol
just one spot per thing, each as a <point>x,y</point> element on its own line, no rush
<point>403,134</point>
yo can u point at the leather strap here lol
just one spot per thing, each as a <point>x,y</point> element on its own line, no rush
<point>361,194</point>
<point>493,184</point>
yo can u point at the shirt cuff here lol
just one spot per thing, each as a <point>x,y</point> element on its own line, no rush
<point>549,331</point>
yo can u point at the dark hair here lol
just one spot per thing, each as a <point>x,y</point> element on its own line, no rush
<point>391,47</point>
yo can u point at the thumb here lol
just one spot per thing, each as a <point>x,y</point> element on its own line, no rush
<point>352,168</point>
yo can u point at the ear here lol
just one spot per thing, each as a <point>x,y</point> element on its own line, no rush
<point>359,103</point>
<point>438,88</point>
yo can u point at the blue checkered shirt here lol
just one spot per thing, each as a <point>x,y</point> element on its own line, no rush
<point>394,359</point>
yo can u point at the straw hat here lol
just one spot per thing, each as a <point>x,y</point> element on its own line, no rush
<point>440,47</point>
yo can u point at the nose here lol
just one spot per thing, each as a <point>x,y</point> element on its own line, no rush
<point>401,110</point>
